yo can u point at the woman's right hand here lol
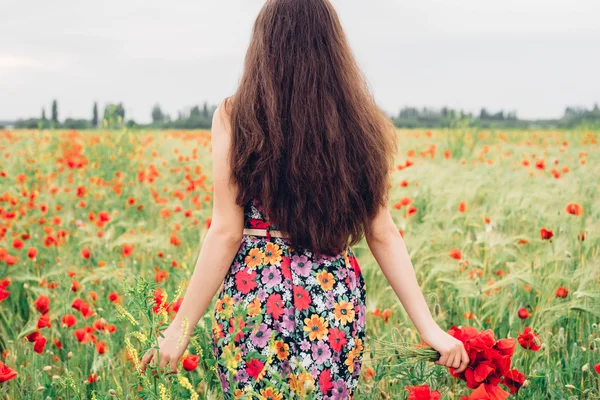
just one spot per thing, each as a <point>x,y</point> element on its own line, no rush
<point>452,351</point>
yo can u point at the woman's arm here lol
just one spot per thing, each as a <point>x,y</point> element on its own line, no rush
<point>389,250</point>
<point>219,247</point>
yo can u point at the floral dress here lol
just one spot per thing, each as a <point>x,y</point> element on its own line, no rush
<point>288,323</point>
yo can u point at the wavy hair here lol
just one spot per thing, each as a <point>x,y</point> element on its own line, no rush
<point>308,141</point>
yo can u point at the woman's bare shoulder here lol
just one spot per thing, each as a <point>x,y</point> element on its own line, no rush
<point>222,115</point>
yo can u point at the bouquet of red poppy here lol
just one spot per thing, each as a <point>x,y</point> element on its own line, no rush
<point>489,362</point>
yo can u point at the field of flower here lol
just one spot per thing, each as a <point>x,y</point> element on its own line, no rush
<point>99,231</point>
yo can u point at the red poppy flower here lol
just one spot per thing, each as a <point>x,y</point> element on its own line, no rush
<point>337,339</point>
<point>85,335</point>
<point>456,254</point>
<point>127,250</point>
<point>6,373</point>
<point>92,378</point>
<point>32,337</point>
<point>32,252</point>
<point>42,304</point>
<point>101,347</point>
<point>546,234</point>
<point>114,297</point>
<point>86,253</point>
<point>3,293</point>
<point>597,368</point>
<point>244,281</point>
<point>523,313</point>
<point>39,344</point>
<point>160,275</point>
<point>514,380</point>
<point>275,305</point>
<point>422,392</point>
<point>302,298</point>
<point>540,164</point>
<point>254,368</point>
<point>190,362</point>
<point>487,392</point>
<point>43,322</point>
<point>75,286</point>
<point>83,307</point>
<point>574,209</point>
<point>405,201</point>
<point>386,315</point>
<point>176,304</point>
<point>561,292</point>
<point>529,340</point>
<point>159,301</point>
<point>81,335</point>
<point>99,324</point>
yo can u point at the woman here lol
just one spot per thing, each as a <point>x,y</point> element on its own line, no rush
<point>301,160</point>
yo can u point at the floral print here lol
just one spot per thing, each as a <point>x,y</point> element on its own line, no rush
<point>289,323</point>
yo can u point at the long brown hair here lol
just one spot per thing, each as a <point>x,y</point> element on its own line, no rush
<point>309,142</point>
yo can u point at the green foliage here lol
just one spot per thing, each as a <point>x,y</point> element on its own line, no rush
<point>114,116</point>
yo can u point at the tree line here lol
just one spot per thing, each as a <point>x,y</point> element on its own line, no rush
<point>412,117</point>
<point>200,117</point>
<point>113,117</point>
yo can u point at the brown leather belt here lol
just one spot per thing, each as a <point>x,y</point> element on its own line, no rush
<point>263,232</point>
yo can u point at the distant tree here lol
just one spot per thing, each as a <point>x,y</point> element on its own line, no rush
<point>483,114</point>
<point>157,114</point>
<point>499,116</point>
<point>121,111</point>
<point>95,115</point>
<point>113,116</point>
<point>55,111</point>
<point>205,110</point>
<point>195,112</point>
<point>44,114</point>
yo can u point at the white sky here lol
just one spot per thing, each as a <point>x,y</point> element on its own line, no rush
<point>535,56</point>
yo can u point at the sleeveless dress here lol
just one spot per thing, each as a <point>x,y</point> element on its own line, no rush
<point>288,323</point>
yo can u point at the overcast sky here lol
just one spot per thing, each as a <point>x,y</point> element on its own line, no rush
<point>535,56</point>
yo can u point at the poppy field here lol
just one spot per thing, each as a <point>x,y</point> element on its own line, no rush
<point>99,231</point>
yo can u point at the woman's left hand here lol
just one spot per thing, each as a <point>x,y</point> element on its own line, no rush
<point>171,348</point>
